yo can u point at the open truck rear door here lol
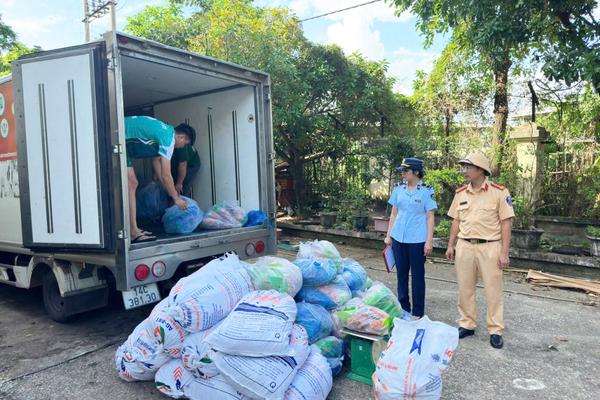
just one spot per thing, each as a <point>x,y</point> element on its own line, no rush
<point>64,149</point>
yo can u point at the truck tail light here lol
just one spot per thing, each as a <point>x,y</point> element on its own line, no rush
<point>141,272</point>
<point>260,246</point>
<point>250,249</point>
<point>158,269</point>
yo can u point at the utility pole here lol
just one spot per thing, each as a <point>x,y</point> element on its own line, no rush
<point>94,9</point>
<point>113,16</point>
<point>86,11</point>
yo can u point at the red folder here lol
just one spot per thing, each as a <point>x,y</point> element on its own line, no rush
<point>388,258</point>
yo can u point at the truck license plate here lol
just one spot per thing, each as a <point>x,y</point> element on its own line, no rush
<point>141,295</point>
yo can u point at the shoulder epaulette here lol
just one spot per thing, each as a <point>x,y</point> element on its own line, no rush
<point>462,188</point>
<point>497,186</point>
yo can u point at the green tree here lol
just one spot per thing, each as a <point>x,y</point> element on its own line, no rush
<point>502,32</point>
<point>8,37</point>
<point>10,48</point>
<point>457,87</point>
<point>322,100</point>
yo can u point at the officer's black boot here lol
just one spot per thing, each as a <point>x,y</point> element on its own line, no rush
<point>464,332</point>
<point>496,341</point>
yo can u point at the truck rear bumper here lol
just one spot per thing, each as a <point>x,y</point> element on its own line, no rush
<point>177,250</point>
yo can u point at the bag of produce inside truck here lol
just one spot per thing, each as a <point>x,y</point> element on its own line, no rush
<point>224,216</point>
<point>417,355</point>
<point>200,300</point>
<point>176,220</point>
<point>151,201</point>
<point>264,377</point>
<point>259,325</point>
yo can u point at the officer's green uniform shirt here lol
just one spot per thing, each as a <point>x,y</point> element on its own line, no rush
<point>147,137</point>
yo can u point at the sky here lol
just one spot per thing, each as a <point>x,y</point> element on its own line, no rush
<point>372,30</point>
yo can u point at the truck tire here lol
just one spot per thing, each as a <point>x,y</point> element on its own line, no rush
<point>56,306</point>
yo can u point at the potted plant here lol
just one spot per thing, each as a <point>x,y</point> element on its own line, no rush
<point>593,234</point>
<point>328,215</point>
<point>524,233</point>
<point>359,203</point>
<point>354,209</point>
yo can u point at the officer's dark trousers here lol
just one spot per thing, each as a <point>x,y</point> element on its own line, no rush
<point>410,258</point>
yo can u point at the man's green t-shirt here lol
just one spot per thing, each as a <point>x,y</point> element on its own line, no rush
<point>186,154</point>
<point>148,137</point>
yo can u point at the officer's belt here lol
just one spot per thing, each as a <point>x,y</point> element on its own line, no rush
<point>479,241</point>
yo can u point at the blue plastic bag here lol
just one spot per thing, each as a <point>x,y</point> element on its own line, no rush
<point>336,365</point>
<point>315,319</point>
<point>177,220</point>
<point>316,272</point>
<point>151,201</point>
<point>330,296</point>
<point>255,218</point>
<point>354,274</point>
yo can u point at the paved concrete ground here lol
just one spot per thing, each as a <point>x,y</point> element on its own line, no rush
<point>552,348</point>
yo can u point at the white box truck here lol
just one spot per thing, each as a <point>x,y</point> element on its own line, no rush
<point>64,216</point>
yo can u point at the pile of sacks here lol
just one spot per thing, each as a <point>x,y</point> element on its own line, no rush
<point>229,331</point>
<point>270,330</point>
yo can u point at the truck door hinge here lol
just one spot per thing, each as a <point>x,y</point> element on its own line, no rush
<point>112,61</point>
<point>267,96</point>
<point>269,156</point>
<point>122,234</point>
<point>117,149</point>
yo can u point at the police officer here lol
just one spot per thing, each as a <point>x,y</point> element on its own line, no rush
<point>410,232</point>
<point>482,213</point>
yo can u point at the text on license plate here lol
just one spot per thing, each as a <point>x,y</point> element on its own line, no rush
<point>141,295</point>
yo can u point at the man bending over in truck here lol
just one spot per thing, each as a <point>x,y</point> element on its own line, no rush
<point>147,137</point>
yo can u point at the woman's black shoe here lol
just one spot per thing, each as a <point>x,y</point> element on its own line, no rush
<point>464,332</point>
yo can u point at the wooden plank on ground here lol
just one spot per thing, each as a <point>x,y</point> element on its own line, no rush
<point>544,279</point>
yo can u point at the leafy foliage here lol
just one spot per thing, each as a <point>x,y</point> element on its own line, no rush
<point>8,37</point>
<point>444,183</point>
<point>593,231</point>
<point>442,229</point>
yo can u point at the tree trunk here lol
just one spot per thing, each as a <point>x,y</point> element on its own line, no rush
<point>300,186</point>
<point>500,113</point>
<point>448,122</point>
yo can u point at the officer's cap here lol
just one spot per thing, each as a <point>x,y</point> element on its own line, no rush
<point>411,163</point>
<point>478,160</point>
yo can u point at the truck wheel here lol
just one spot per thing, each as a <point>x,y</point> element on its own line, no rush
<point>55,305</point>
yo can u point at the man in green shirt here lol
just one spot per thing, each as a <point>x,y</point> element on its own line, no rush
<point>147,137</point>
<point>185,164</point>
